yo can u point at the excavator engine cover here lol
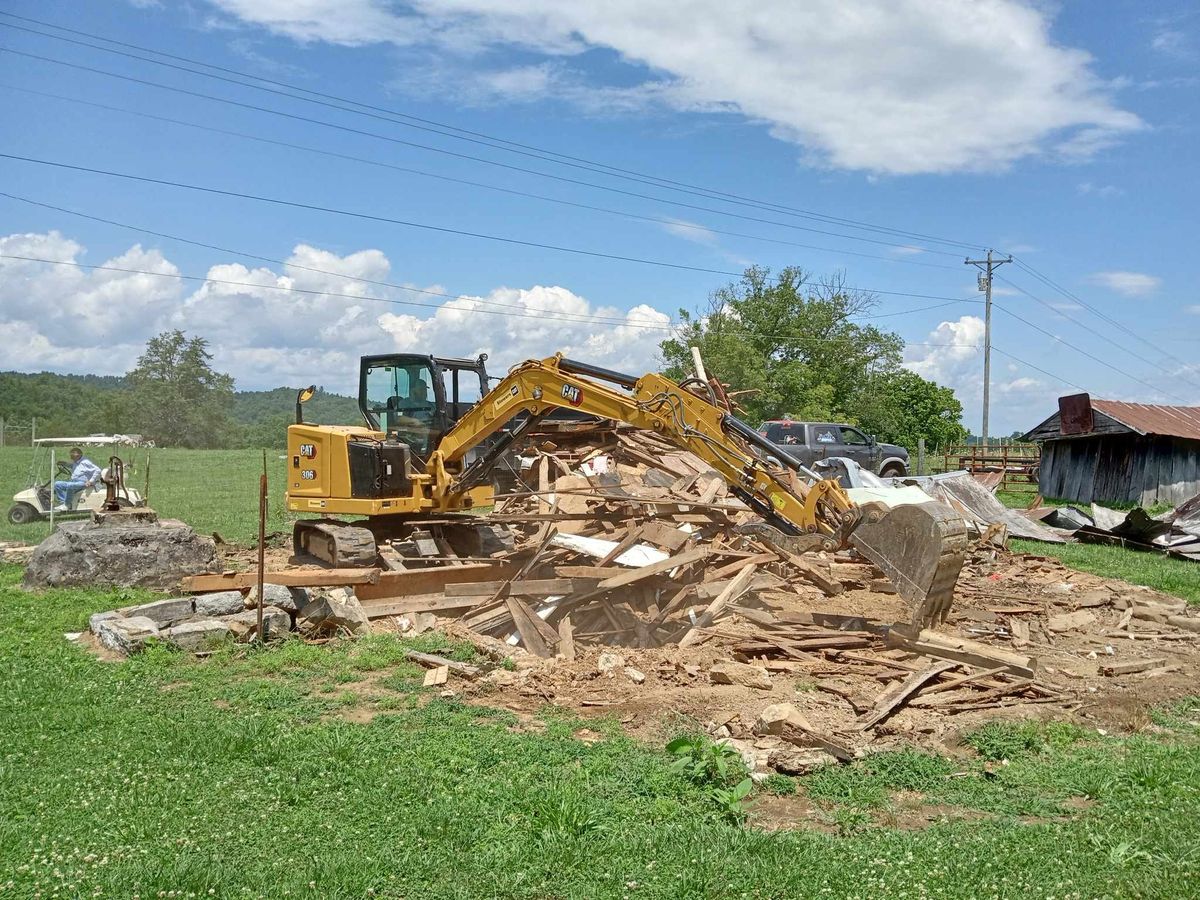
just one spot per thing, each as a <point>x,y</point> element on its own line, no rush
<point>378,469</point>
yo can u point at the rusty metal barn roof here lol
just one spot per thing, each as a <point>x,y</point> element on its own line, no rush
<point>1172,421</point>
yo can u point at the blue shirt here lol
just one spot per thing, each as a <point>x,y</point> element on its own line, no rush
<point>85,470</point>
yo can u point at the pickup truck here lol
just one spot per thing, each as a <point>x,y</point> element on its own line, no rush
<point>811,441</point>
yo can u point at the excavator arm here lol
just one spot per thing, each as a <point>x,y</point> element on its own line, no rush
<point>656,404</point>
<point>922,554</point>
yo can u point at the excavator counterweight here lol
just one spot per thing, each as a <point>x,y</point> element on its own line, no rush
<point>429,448</point>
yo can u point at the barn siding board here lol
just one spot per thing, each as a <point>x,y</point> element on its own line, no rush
<point>1128,468</point>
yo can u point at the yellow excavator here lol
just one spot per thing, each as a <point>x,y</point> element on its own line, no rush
<point>434,432</point>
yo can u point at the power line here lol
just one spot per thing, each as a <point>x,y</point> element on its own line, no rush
<point>1098,313</point>
<point>1090,356</point>
<point>1099,334</point>
<point>1057,378</point>
<point>421,225</point>
<point>295,204</point>
<point>668,223</point>
<point>319,293</point>
<point>466,156</point>
<point>460,133</point>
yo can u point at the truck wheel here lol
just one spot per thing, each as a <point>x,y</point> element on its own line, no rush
<point>22,514</point>
<point>893,470</point>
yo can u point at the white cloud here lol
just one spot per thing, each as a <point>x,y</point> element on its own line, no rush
<point>1088,189</point>
<point>1194,309</point>
<point>1171,42</point>
<point>882,86</point>
<point>265,333</point>
<point>1131,284</point>
<point>690,231</point>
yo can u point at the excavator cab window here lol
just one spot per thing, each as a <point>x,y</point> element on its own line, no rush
<point>404,397</point>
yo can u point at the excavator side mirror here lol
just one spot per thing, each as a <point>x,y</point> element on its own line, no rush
<point>302,397</point>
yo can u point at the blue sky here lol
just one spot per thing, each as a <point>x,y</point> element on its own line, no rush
<point>1062,133</point>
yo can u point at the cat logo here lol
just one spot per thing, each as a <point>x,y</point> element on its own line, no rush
<point>572,394</point>
<point>308,451</point>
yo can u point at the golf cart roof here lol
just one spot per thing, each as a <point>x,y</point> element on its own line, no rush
<point>93,440</point>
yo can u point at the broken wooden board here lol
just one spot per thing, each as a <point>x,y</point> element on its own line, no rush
<point>982,656</point>
<point>225,581</point>
<point>733,590</point>
<point>1131,666</point>
<point>433,660</point>
<point>894,696</point>
<point>394,585</point>
<point>544,587</point>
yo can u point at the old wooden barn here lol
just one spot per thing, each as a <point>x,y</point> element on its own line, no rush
<point>1108,451</point>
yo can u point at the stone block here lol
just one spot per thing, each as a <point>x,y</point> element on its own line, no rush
<point>164,612</point>
<point>199,634</point>
<point>740,673</point>
<point>289,598</point>
<point>126,635</point>
<point>120,555</point>
<point>96,618</point>
<point>333,611</point>
<point>276,623</point>
<point>219,603</point>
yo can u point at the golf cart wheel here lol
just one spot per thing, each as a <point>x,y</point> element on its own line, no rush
<point>22,514</point>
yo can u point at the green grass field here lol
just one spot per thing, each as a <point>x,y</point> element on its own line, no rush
<point>327,771</point>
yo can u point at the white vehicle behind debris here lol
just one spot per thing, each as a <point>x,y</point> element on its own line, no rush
<point>50,463</point>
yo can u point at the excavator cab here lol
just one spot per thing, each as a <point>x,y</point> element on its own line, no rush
<point>415,399</point>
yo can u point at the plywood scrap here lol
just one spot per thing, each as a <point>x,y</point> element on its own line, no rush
<point>438,676</point>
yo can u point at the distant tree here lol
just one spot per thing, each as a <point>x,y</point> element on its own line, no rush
<point>901,407</point>
<point>792,341</point>
<point>176,398</point>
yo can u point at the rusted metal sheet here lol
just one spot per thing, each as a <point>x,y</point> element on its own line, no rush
<point>1075,414</point>
<point>1169,421</point>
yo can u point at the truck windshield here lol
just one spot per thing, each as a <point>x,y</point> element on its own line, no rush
<point>402,399</point>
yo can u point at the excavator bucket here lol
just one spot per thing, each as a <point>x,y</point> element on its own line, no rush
<point>921,548</point>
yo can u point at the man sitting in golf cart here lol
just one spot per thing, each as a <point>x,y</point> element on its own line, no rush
<point>84,474</point>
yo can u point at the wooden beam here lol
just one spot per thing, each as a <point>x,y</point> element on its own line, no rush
<point>394,585</point>
<point>543,587</point>
<point>431,660</point>
<point>732,591</point>
<point>531,635</point>
<point>225,581</point>
<point>982,656</point>
<point>566,639</point>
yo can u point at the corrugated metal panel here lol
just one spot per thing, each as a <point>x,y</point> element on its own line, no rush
<point>1171,421</point>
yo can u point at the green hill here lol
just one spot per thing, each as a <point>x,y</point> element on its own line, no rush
<point>67,405</point>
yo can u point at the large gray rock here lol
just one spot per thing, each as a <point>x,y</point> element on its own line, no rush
<point>96,618</point>
<point>154,555</point>
<point>163,612</point>
<point>199,634</point>
<point>289,598</point>
<point>334,610</point>
<point>220,603</point>
<point>126,635</point>
<point>276,623</point>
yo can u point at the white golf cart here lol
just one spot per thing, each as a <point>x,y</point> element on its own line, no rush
<point>51,463</point>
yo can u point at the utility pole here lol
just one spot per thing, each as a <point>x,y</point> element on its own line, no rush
<point>986,267</point>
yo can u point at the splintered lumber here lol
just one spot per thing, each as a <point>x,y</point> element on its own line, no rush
<point>393,585</point>
<point>810,574</point>
<point>529,626</point>
<point>432,660</point>
<point>1130,666</point>
<point>545,587</point>
<point>632,576</point>
<point>732,591</point>
<point>738,565</point>
<point>966,679</point>
<point>665,536</point>
<point>898,693</point>
<point>566,639</point>
<point>982,656</point>
<point>789,723</point>
<point>225,581</point>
